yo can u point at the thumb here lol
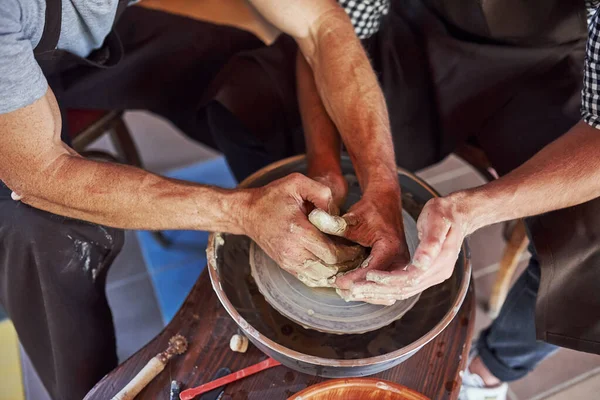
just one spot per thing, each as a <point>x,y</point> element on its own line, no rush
<point>337,184</point>
<point>316,193</point>
<point>326,223</point>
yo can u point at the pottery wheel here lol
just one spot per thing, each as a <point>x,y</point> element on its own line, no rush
<point>322,309</point>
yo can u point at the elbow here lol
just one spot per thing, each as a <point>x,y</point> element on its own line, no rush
<point>33,180</point>
<point>24,187</point>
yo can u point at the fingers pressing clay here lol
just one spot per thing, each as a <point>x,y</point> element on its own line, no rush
<point>327,223</point>
<point>381,257</point>
<point>331,250</point>
<point>432,235</point>
<point>391,277</point>
<point>319,274</point>
<point>354,256</point>
<point>373,298</point>
<point>315,273</point>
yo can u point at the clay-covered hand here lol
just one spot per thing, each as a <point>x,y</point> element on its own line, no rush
<point>442,226</point>
<point>336,182</point>
<point>276,219</point>
<point>375,222</point>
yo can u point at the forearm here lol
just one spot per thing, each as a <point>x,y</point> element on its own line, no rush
<point>345,81</point>
<point>126,197</point>
<point>352,97</point>
<point>323,142</point>
<point>563,174</point>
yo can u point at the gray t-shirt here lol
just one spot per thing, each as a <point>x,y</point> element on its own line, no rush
<point>85,24</point>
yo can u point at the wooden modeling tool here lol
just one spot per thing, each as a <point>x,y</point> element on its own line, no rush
<point>177,345</point>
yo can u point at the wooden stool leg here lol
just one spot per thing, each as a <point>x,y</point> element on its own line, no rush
<point>515,247</point>
<point>123,142</point>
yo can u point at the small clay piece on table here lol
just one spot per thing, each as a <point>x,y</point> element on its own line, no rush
<point>322,309</point>
<point>238,343</point>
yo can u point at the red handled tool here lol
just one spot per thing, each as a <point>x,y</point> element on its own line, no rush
<point>189,394</point>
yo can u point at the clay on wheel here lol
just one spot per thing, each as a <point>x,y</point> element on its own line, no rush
<point>322,309</point>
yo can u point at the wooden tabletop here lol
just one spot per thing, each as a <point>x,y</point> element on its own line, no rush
<point>433,371</point>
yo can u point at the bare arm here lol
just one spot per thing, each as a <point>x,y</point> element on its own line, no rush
<point>344,79</point>
<point>563,174</point>
<point>323,142</point>
<point>350,94</point>
<point>48,175</point>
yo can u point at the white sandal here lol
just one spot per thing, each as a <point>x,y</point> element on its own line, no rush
<point>473,387</point>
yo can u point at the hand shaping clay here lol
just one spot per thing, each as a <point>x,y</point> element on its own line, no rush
<point>323,309</point>
<point>326,223</point>
<point>316,273</point>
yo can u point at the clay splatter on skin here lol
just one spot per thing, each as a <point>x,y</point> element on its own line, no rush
<point>365,263</point>
<point>294,227</point>
<point>384,280</point>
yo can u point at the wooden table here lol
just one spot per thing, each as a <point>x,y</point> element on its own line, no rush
<point>433,371</point>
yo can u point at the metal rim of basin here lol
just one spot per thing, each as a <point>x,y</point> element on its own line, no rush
<point>328,362</point>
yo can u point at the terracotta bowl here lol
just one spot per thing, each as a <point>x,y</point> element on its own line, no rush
<point>326,354</point>
<point>358,389</point>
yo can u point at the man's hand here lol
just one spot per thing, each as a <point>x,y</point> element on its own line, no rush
<point>442,227</point>
<point>333,179</point>
<point>277,220</point>
<point>375,222</point>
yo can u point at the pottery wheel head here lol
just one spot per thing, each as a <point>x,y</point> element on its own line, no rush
<point>322,309</point>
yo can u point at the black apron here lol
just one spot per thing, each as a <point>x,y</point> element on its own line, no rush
<point>507,74</point>
<point>54,62</point>
<point>567,241</point>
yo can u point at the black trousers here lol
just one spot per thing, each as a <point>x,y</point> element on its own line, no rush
<point>53,269</point>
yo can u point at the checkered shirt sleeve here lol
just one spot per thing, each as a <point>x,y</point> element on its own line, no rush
<point>366,15</point>
<point>590,95</point>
